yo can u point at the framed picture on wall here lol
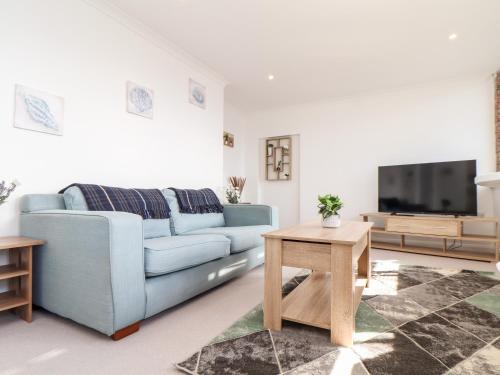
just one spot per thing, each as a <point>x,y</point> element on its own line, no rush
<point>197,94</point>
<point>228,139</point>
<point>38,111</point>
<point>140,100</point>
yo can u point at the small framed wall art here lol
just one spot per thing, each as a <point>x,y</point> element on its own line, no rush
<point>140,100</point>
<point>197,94</point>
<point>228,139</point>
<point>38,111</point>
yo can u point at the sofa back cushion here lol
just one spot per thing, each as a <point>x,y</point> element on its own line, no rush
<point>74,200</point>
<point>40,202</point>
<point>183,223</point>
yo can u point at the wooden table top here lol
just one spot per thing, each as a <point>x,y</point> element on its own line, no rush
<point>349,233</point>
<point>14,242</point>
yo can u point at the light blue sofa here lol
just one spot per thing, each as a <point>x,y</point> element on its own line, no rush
<point>110,270</point>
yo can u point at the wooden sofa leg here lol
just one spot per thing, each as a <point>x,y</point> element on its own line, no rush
<point>127,331</point>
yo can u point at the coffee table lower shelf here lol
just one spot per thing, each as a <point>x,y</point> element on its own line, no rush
<point>309,303</point>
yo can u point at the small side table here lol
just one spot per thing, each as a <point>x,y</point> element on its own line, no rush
<point>330,296</point>
<point>19,273</point>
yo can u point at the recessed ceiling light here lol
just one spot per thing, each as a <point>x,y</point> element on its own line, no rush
<point>270,77</point>
<point>452,36</point>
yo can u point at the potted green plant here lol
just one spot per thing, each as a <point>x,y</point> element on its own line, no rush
<point>329,206</point>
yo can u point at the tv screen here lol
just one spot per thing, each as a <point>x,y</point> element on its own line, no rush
<point>430,188</point>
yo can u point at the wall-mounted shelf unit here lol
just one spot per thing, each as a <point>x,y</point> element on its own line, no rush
<point>444,235</point>
<point>278,159</point>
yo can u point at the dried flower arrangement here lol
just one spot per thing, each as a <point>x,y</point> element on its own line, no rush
<point>234,191</point>
<point>5,190</point>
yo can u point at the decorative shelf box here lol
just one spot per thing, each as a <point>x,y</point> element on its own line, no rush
<point>278,159</point>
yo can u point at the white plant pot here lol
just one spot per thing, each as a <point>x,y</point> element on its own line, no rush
<point>332,221</point>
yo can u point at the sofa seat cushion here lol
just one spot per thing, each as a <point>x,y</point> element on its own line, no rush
<point>169,254</point>
<point>242,238</point>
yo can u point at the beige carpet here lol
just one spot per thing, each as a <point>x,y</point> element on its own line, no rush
<point>51,345</point>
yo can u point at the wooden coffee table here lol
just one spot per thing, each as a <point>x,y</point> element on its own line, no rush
<point>330,296</point>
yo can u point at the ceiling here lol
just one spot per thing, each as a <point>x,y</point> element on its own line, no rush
<point>319,49</point>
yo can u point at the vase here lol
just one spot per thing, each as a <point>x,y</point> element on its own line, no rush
<point>331,221</point>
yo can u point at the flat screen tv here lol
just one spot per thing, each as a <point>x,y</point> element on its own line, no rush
<point>430,188</point>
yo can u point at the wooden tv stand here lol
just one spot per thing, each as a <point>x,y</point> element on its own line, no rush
<point>444,231</point>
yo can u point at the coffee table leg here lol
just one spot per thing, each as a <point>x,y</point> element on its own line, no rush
<point>364,267</point>
<point>342,295</point>
<point>272,284</point>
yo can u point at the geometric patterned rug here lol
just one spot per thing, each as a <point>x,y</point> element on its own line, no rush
<point>412,320</point>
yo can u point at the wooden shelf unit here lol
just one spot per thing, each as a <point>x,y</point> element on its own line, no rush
<point>9,300</point>
<point>446,228</point>
<point>18,274</point>
<point>278,158</point>
<point>10,271</point>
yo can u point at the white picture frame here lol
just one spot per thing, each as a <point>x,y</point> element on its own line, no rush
<point>140,100</point>
<point>38,111</point>
<point>197,94</point>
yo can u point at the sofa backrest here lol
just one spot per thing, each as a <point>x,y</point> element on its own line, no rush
<point>40,202</point>
<point>183,223</point>
<point>153,228</point>
<point>73,199</point>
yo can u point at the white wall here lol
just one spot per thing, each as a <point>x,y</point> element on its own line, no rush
<point>342,142</point>
<point>234,123</point>
<point>71,49</point>
<point>283,194</point>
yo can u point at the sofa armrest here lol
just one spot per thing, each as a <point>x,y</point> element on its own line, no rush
<point>236,215</point>
<point>91,269</point>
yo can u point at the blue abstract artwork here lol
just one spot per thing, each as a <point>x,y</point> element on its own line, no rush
<point>197,94</point>
<point>38,111</point>
<point>139,100</point>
